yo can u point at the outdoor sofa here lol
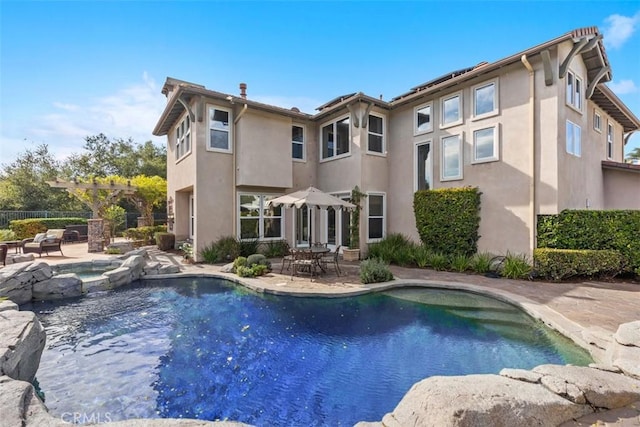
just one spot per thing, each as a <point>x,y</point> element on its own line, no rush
<point>44,242</point>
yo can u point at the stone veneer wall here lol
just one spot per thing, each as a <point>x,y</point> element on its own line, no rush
<point>95,235</point>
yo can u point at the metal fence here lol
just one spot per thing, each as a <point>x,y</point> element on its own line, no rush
<point>131,218</point>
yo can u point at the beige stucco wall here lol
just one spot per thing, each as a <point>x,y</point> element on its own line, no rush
<point>621,189</point>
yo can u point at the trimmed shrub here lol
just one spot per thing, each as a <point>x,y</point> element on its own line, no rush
<point>593,230</point>
<point>374,271</point>
<point>27,228</point>
<point>144,234</point>
<point>448,219</point>
<point>260,269</point>
<point>515,266</point>
<point>6,234</point>
<point>240,262</point>
<point>256,259</point>
<point>559,264</point>
<point>165,241</point>
<point>244,271</point>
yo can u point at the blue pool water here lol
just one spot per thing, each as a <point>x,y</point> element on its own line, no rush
<point>206,349</point>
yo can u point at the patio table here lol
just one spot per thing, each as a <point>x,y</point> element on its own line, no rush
<point>13,244</point>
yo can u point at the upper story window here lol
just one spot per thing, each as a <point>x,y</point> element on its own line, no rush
<point>451,113</point>
<point>574,91</point>
<point>183,138</point>
<point>375,144</point>
<point>485,99</point>
<point>219,129</point>
<point>335,139</point>
<point>297,142</point>
<point>423,118</point>
<point>609,141</point>
<point>451,161</point>
<point>597,121</point>
<point>485,145</point>
<point>574,139</point>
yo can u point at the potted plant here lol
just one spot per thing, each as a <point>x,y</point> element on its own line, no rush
<point>353,252</point>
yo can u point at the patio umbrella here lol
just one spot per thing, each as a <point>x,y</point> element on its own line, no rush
<point>310,197</point>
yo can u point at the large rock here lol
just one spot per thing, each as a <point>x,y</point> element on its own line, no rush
<point>58,287</point>
<point>22,340</point>
<point>598,388</point>
<point>20,406</point>
<point>628,334</point>
<point>481,400</point>
<point>40,271</point>
<point>15,283</point>
<point>119,277</point>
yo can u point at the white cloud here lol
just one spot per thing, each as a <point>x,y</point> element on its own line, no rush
<point>130,112</point>
<point>618,29</point>
<point>623,87</point>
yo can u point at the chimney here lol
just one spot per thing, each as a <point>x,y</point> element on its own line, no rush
<point>243,90</point>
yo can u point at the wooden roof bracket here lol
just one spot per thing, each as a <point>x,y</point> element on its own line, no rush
<point>582,45</point>
<point>546,65</point>
<point>596,80</point>
<point>185,104</point>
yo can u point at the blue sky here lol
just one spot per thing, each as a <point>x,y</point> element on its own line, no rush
<point>78,68</point>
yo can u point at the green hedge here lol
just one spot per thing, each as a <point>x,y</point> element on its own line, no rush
<point>558,264</point>
<point>448,219</point>
<point>145,234</point>
<point>28,228</point>
<point>593,230</point>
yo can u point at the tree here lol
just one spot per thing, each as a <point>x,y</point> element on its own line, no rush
<point>114,215</point>
<point>23,186</point>
<point>634,155</point>
<point>151,192</point>
<point>104,157</point>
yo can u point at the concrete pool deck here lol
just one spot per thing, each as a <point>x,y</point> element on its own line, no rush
<point>587,312</point>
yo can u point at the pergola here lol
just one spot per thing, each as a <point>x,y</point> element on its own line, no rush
<point>95,230</point>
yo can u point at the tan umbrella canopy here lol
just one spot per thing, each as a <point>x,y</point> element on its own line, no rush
<point>310,197</point>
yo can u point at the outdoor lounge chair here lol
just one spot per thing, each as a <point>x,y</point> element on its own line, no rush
<point>44,242</point>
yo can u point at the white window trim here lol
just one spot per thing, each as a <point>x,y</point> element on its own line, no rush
<point>228,110</point>
<point>260,217</point>
<point>496,145</point>
<point>610,142</point>
<point>460,159</point>
<point>334,122</point>
<point>178,143</point>
<point>384,214</point>
<point>573,152</point>
<point>460,119</point>
<point>571,104</point>
<point>416,132</point>
<point>599,128</point>
<point>304,143</point>
<point>415,163</point>
<point>192,216</point>
<point>496,100</point>
<point>384,137</point>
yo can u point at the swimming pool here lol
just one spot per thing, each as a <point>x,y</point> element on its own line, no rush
<point>204,348</point>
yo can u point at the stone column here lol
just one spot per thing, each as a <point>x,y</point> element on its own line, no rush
<point>96,235</point>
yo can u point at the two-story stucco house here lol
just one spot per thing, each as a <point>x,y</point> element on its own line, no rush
<point>536,132</point>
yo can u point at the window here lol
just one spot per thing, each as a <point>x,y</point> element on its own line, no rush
<point>597,121</point>
<point>574,91</point>
<point>451,110</point>
<point>423,119</point>
<point>485,99</point>
<point>297,142</point>
<point>423,166</point>
<point>376,228</point>
<point>376,134</point>
<point>183,138</point>
<point>451,158</point>
<point>335,139</point>
<point>256,221</point>
<point>485,144</point>
<point>574,144</point>
<point>609,141</point>
<point>219,129</point>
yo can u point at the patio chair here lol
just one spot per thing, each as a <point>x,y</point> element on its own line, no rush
<point>290,256</point>
<point>303,262</point>
<point>3,253</point>
<point>332,258</point>
<point>44,242</point>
